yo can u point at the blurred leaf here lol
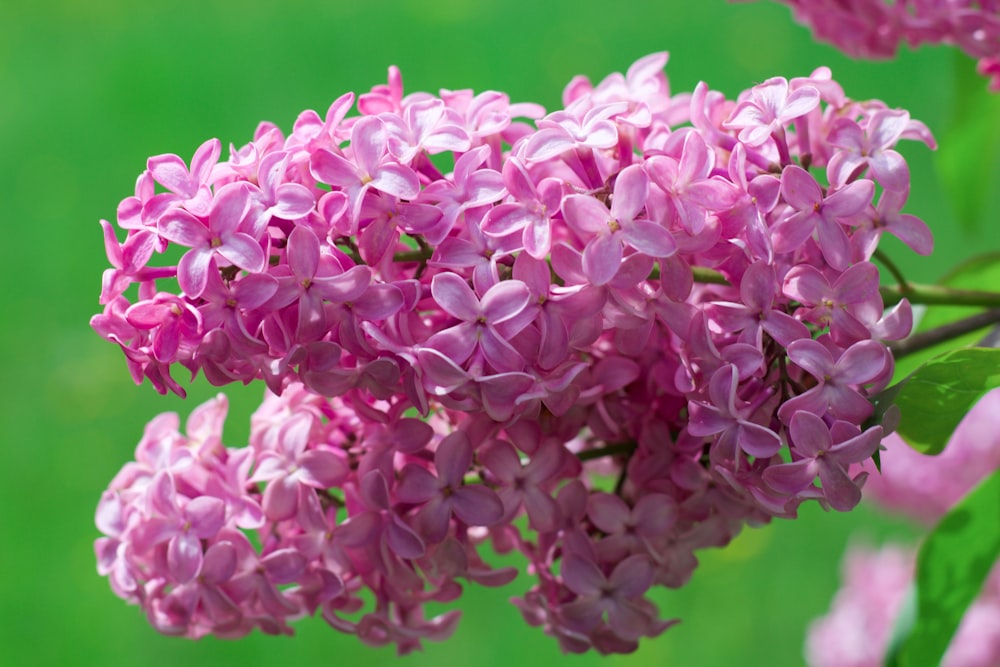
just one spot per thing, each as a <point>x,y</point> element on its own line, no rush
<point>933,399</point>
<point>951,567</point>
<point>972,134</point>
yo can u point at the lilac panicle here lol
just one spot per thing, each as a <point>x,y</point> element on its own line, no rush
<point>459,349</point>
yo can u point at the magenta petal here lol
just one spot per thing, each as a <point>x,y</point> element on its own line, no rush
<point>758,440</point>
<point>799,188</point>
<point>632,577</point>
<point>179,226</point>
<point>649,238</point>
<point>608,512</point>
<point>281,498</point>
<point>456,343</point>
<point>303,253</point>
<point>477,505</point>
<point>322,469</point>
<point>537,237</point>
<point>294,201</point>
<point>582,576</point>
<point>219,563</point>
<point>810,434</point>
<point>504,301</point>
<point>229,208</point>
<point>838,488</point>
<point>327,167</point>
<point>416,485</point>
<point>397,180</point>
<point>151,532</point>
<point>500,393</point>
<point>403,540</point>
<point>453,458</point>
<point>284,565</point>
<point>631,189</point>
<point>914,232</point>
<point>184,557</point>
<point>543,511</point>
<point>441,374</point>
<point>192,271</point>
<point>602,258</point>
<point>500,354</point>
<point>243,251</point>
<point>861,362</point>
<point>205,515</point>
<point>890,170</point>
<point>790,478</point>
<point>171,172</point>
<point>455,296</point>
<point>586,214</point>
<point>849,200</point>
<point>502,460</point>
<point>547,143</point>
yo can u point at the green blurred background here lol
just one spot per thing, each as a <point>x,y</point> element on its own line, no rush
<point>88,90</point>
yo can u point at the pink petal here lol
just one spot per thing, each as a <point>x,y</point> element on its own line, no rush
<point>602,258</point>
<point>184,557</point>
<point>455,296</point>
<point>477,506</point>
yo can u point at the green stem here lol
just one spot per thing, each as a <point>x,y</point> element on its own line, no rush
<point>925,339</point>
<point>891,267</point>
<point>937,295</point>
<point>610,450</point>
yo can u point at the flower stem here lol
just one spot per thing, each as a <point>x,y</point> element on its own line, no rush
<point>937,295</point>
<point>610,450</point>
<point>925,339</point>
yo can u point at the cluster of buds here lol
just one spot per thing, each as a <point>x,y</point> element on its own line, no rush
<point>876,28</point>
<point>605,341</point>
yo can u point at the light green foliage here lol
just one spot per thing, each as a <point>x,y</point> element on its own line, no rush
<point>933,399</point>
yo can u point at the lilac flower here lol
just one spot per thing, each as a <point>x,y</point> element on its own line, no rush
<point>221,237</point>
<point>838,380</point>
<point>447,493</point>
<point>189,188</point>
<point>372,167</point>
<point>723,418</point>
<point>481,321</point>
<point>768,109</point>
<point>614,596</point>
<point>813,210</point>
<point>869,148</point>
<point>827,453</point>
<point>608,230</point>
<point>180,524</point>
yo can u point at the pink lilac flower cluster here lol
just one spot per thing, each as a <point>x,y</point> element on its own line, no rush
<point>857,630</point>
<point>876,28</point>
<point>605,341</point>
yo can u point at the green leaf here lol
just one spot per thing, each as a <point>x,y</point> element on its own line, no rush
<point>952,565</point>
<point>934,398</point>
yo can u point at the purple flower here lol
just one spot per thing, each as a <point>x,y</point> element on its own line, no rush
<point>481,321</point>
<point>606,230</point>
<point>220,237</point>
<point>827,453</point>
<point>447,494</point>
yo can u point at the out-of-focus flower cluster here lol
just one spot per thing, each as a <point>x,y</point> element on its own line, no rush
<point>876,28</point>
<point>857,630</point>
<point>606,341</point>
<point>875,585</point>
